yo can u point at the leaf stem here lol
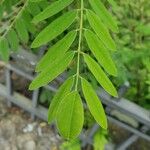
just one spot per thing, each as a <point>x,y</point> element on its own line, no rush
<point>79,45</point>
<point>14,21</point>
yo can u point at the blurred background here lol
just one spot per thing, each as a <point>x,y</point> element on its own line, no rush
<point>23,113</point>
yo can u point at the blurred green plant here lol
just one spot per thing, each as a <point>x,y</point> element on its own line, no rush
<point>132,57</point>
<point>100,139</point>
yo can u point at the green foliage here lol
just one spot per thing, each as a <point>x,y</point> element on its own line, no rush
<point>61,93</point>
<point>100,52</point>
<point>15,24</point>
<point>69,28</point>
<point>70,116</point>
<point>66,20</point>
<point>100,140</point>
<point>58,50</point>
<point>79,39</point>
<point>71,145</point>
<point>51,10</point>
<point>50,73</point>
<point>100,30</point>
<point>66,107</point>
<point>94,104</point>
<point>106,17</point>
<point>100,75</point>
<point>4,49</point>
<point>133,49</point>
<point>45,97</point>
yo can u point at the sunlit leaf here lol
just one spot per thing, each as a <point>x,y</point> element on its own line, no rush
<point>94,104</point>
<point>56,51</point>
<point>104,14</point>
<point>51,10</point>
<point>100,75</point>
<point>52,71</point>
<point>100,52</point>
<point>100,30</point>
<point>55,28</point>
<point>59,96</point>
<point>70,116</point>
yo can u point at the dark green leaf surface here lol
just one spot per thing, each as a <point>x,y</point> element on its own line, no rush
<point>51,10</point>
<point>4,49</point>
<point>94,104</point>
<point>33,8</point>
<point>70,116</point>
<point>52,71</point>
<point>27,20</point>
<point>13,40</point>
<point>21,30</point>
<point>55,28</point>
<point>100,75</point>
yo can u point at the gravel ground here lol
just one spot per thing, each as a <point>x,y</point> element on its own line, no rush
<point>19,132</point>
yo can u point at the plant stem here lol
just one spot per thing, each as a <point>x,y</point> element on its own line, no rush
<point>14,21</point>
<point>79,45</point>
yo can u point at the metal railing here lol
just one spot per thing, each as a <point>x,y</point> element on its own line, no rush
<point>137,119</point>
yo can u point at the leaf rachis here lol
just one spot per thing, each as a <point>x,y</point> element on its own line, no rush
<point>79,44</point>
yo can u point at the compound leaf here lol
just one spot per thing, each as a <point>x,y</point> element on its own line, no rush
<point>100,52</point>
<point>55,28</point>
<point>70,116</point>
<point>51,10</point>
<point>52,71</point>
<point>94,104</point>
<point>100,75</point>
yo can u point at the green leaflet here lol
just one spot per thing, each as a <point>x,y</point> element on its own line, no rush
<point>55,28</point>
<point>43,4</point>
<point>102,12</point>
<point>4,49</point>
<point>94,104</point>
<point>59,96</point>
<point>13,40</point>
<point>35,0</point>
<point>71,145</point>
<point>144,29</point>
<point>100,76</point>
<point>100,30</point>
<point>1,12</point>
<point>100,139</point>
<point>33,8</point>
<point>21,30</point>
<point>51,10</point>
<point>27,20</point>
<point>70,116</point>
<point>57,51</point>
<point>100,52</point>
<point>114,4</point>
<point>52,71</point>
